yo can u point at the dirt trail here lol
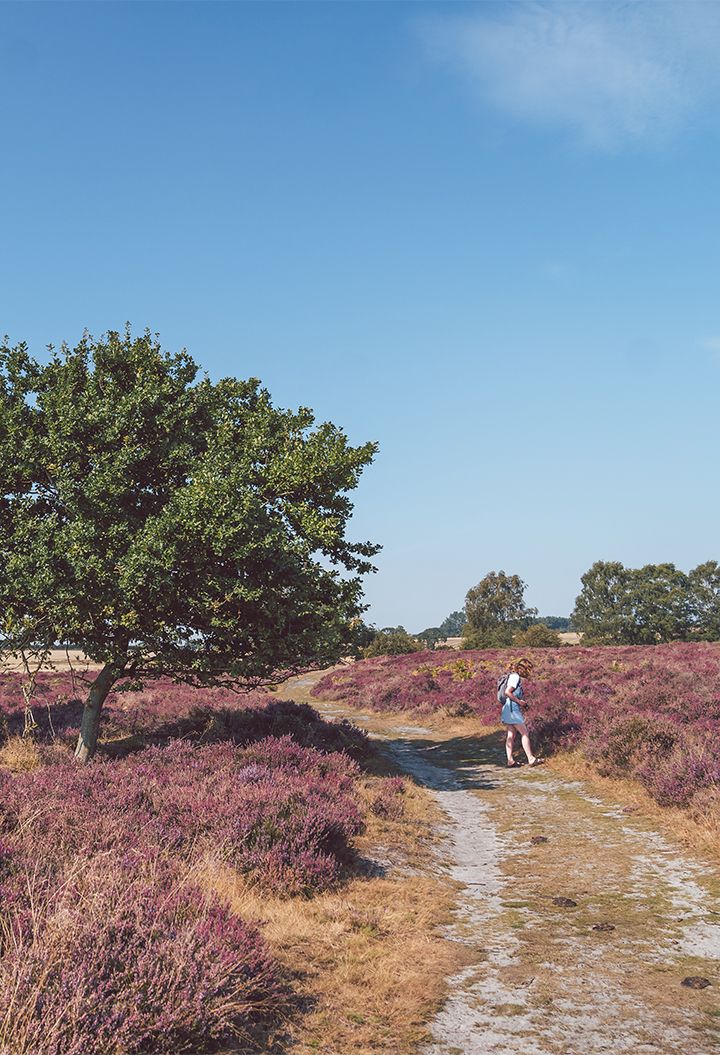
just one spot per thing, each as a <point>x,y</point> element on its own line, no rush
<point>599,972</point>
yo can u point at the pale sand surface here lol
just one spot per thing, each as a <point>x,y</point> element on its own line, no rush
<point>59,660</point>
<point>567,637</point>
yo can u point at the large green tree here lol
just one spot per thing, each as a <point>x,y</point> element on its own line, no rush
<point>659,596</point>
<point>600,611</point>
<point>705,600</point>
<point>633,606</point>
<point>167,524</point>
<point>452,625</point>
<point>494,610</point>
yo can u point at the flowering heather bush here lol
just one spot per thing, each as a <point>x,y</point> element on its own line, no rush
<point>119,960</point>
<point>640,711</point>
<point>268,717</point>
<point>106,946</point>
<point>57,704</point>
<point>621,744</point>
<point>276,811</point>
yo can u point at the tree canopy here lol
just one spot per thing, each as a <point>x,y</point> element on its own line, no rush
<point>452,625</point>
<point>705,600</point>
<point>555,622</point>
<point>430,636</point>
<point>655,603</point>
<point>169,525</point>
<point>494,609</point>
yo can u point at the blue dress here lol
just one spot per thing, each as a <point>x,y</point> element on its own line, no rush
<point>511,713</point>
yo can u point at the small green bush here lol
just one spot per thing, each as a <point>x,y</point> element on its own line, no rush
<point>539,635</point>
<point>392,643</point>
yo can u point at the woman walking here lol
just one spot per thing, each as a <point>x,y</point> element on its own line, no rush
<point>512,716</point>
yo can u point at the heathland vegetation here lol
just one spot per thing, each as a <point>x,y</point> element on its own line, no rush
<point>117,934</point>
<point>651,713</point>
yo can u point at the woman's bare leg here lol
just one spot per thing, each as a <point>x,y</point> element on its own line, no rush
<point>525,737</point>
<point>510,744</point>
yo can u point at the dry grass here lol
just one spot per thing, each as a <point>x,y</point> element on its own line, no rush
<point>369,962</point>
<point>20,755</point>
<point>697,827</point>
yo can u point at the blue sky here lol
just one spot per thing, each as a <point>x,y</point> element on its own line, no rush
<point>486,236</point>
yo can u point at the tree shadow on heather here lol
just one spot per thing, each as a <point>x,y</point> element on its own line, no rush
<point>246,725</point>
<point>59,720</point>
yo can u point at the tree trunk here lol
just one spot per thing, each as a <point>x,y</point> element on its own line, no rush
<point>90,724</point>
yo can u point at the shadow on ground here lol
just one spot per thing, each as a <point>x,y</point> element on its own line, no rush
<point>462,763</point>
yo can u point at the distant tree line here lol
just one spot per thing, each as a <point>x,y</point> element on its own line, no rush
<point>370,641</point>
<point>617,605</point>
<point>561,623</point>
<point>452,626</point>
<point>649,605</point>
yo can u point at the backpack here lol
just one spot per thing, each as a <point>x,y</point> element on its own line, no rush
<point>501,687</point>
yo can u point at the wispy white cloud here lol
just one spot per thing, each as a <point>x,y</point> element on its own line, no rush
<point>611,73</point>
<point>711,344</point>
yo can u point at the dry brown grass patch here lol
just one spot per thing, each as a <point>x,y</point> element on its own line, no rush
<point>368,961</point>
<point>20,755</point>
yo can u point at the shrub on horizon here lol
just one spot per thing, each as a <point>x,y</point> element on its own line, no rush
<point>536,636</point>
<point>497,637</point>
<point>393,643</point>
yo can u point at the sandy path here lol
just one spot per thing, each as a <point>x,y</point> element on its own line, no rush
<point>545,981</point>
